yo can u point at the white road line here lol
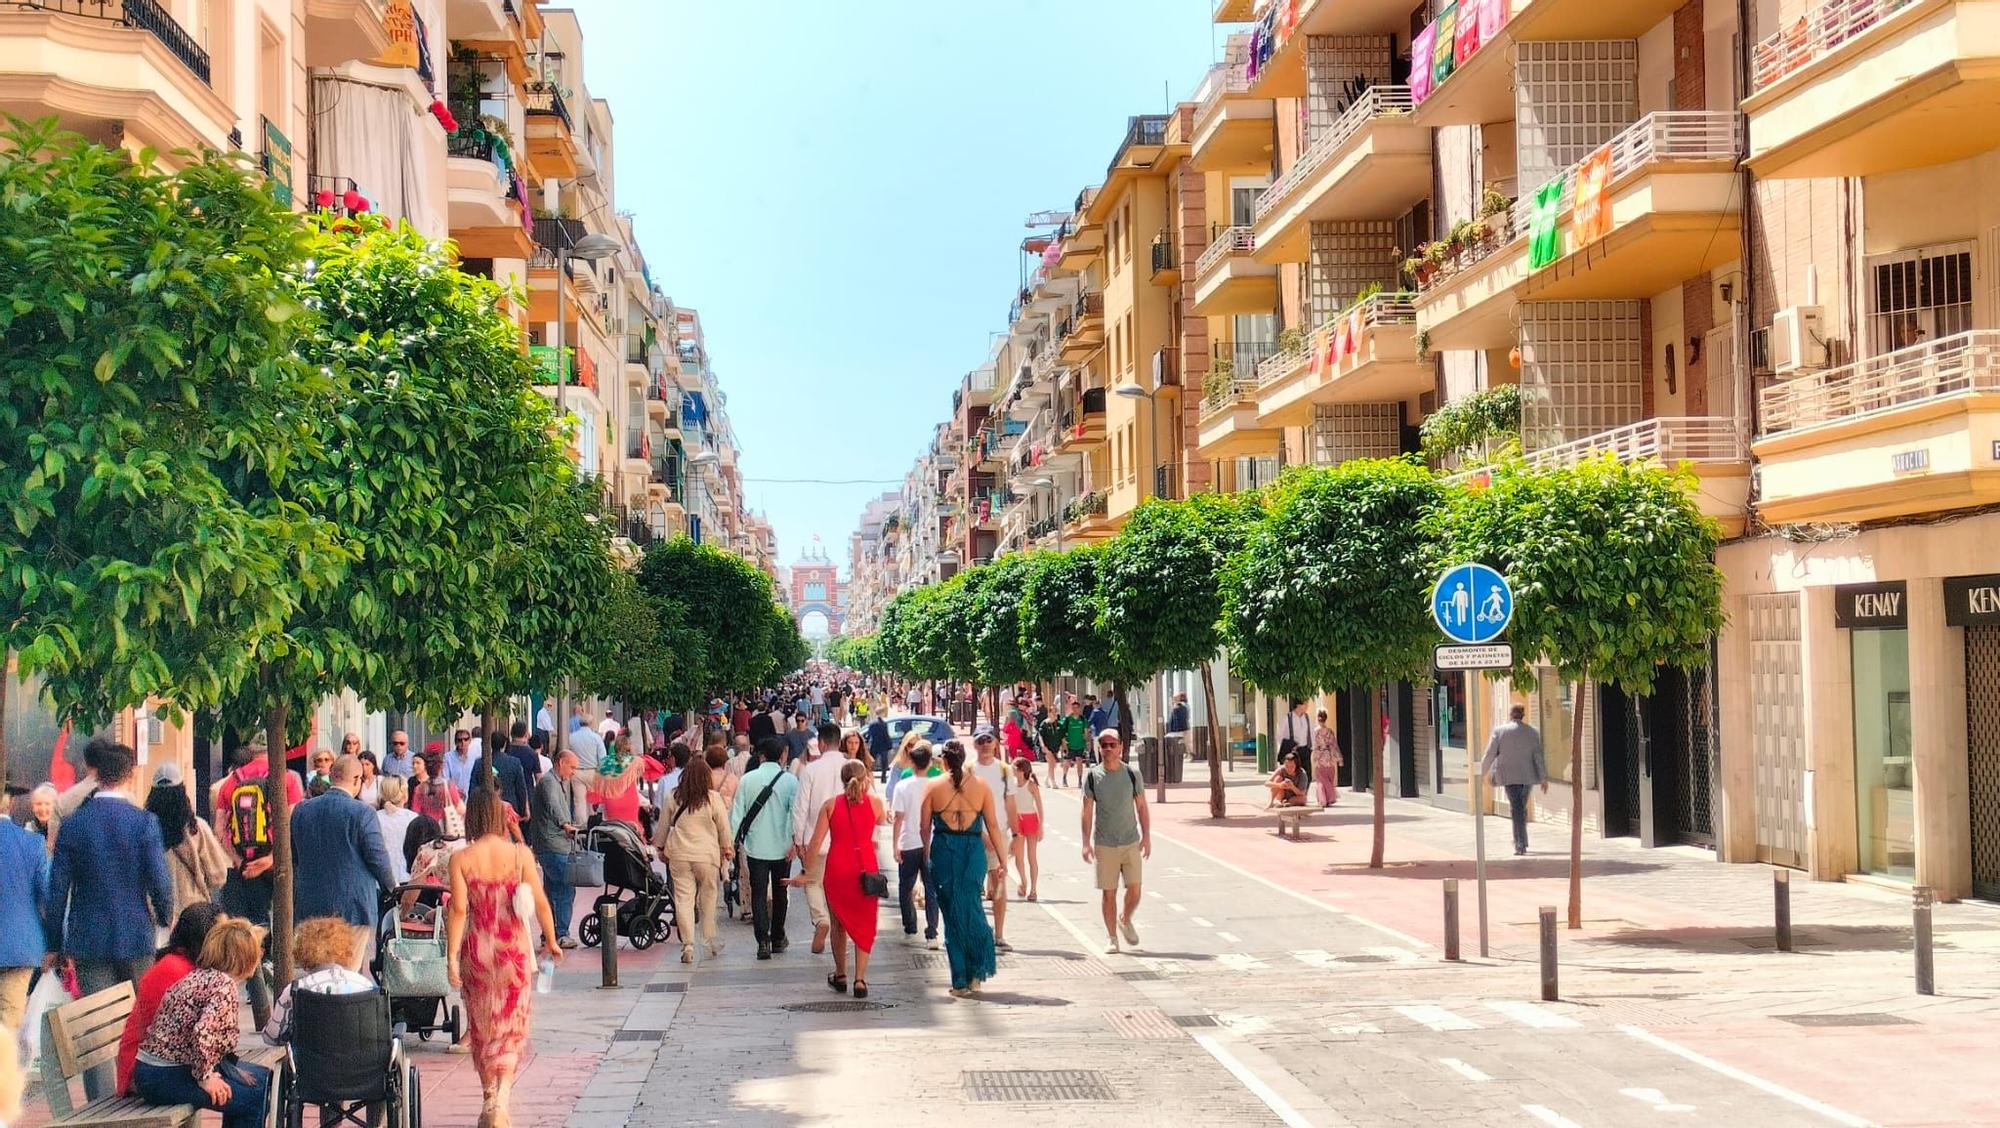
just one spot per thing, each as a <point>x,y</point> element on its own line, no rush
<point>1202,922</point>
<point>1250,1081</point>
<point>1529,1014</point>
<point>1549,1116</point>
<point>1231,937</point>
<point>1463,1070</point>
<point>1176,908</point>
<point>1238,961</point>
<point>1353,1028</point>
<point>1156,893</point>
<point>1657,1099</point>
<point>1436,1017</point>
<point>1750,1079</point>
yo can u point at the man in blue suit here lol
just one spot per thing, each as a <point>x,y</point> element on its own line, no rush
<point>109,869</point>
<point>337,852</point>
<point>24,894</point>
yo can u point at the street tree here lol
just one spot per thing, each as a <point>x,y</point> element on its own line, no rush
<point>726,600</point>
<point>949,628</point>
<point>638,648</point>
<point>1613,570</point>
<point>1332,590</point>
<point>1162,594</point>
<point>996,623</point>
<point>1060,612</point>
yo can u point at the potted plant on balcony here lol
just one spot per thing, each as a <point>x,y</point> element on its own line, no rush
<point>1292,340</point>
<point>1221,378</point>
<point>1456,237</point>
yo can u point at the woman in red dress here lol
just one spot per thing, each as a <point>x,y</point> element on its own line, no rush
<point>851,818</point>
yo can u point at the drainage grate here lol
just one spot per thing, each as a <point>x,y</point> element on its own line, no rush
<point>1846,1019</point>
<point>1363,959</point>
<point>1139,976</point>
<point>1185,1020</point>
<point>665,988</point>
<point>835,1006</point>
<point>639,1036</point>
<point>1037,1085</point>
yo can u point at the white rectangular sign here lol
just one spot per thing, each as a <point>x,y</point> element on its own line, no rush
<point>1490,656</point>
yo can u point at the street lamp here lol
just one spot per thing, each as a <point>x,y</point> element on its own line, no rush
<point>1134,391</point>
<point>590,248</point>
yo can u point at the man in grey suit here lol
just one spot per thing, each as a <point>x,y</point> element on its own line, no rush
<point>560,807</point>
<point>337,849</point>
<point>1514,761</point>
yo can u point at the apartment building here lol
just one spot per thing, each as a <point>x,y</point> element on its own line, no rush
<point>871,549</point>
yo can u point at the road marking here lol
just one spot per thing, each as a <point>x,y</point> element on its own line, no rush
<point>1156,894</point>
<point>1657,1099</point>
<point>1463,1070</point>
<point>1353,1028</point>
<point>1317,957</point>
<point>1231,937</point>
<point>1175,907</point>
<point>1436,1017</point>
<point>1238,961</point>
<point>1549,1116</point>
<point>1529,1014</point>
<point>1202,922</point>
<point>1750,1079</point>
<point>1250,1081</point>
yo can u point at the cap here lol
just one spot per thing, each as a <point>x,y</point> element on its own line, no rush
<point>984,734</point>
<point>168,773</point>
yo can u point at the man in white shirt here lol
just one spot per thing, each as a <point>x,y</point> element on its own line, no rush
<point>818,698</point>
<point>819,782</point>
<point>909,839</point>
<point>991,768</point>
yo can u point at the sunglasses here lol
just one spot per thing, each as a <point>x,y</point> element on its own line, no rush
<point>402,744</point>
<point>1107,744</point>
<point>463,739</point>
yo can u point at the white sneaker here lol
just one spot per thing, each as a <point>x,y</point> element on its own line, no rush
<point>1112,949</point>
<point>1131,933</point>
<point>932,943</point>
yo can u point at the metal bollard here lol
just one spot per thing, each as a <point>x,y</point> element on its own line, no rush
<point>607,945</point>
<point>1451,918</point>
<point>1920,910</point>
<point>1781,895</point>
<point>1548,915</point>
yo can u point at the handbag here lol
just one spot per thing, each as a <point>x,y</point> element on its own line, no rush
<point>873,883</point>
<point>582,866</point>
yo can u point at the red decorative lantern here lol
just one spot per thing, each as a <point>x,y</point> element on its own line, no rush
<point>323,199</point>
<point>444,116</point>
<point>354,201</point>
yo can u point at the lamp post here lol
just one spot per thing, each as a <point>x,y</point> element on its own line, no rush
<point>590,248</point>
<point>1134,391</point>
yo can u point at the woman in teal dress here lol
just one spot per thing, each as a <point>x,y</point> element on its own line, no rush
<point>961,849</point>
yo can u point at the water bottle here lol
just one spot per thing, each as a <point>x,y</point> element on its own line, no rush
<point>546,981</point>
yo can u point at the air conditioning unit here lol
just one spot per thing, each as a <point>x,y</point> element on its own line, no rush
<point>1798,340</point>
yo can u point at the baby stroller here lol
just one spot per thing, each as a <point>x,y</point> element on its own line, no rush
<point>411,956</point>
<point>645,900</point>
<point>343,1056</point>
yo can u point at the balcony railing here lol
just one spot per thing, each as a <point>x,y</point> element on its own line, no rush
<point>543,99</point>
<point>1931,370</point>
<point>1222,80</point>
<point>1219,397</point>
<point>1144,130</point>
<point>145,15</point>
<point>1671,439</point>
<point>1163,253</point>
<point>1820,33</point>
<point>1377,309</point>
<point>1242,357</point>
<point>1379,101</point>
<point>1088,305</point>
<point>1226,242</point>
<point>1093,504</point>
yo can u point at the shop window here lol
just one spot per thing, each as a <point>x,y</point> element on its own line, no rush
<point>1885,805</point>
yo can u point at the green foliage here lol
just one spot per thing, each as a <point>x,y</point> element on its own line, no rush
<point>1333,588</point>
<point>856,652</point>
<point>1612,566</point>
<point>150,321</point>
<point>1161,592</point>
<point>1060,608</point>
<point>996,623</point>
<point>637,647</point>
<point>949,618</point>
<point>727,601</point>
<point>789,649</point>
<point>894,648</point>
<point>1468,421</point>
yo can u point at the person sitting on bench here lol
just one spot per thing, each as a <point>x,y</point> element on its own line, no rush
<point>1286,784</point>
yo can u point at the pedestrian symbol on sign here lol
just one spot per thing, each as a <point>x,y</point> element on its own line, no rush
<point>1472,604</point>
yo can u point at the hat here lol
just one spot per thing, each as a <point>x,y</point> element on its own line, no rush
<point>984,734</point>
<point>168,773</point>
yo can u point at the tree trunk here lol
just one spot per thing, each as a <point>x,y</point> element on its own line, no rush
<point>1576,805</point>
<point>6,682</point>
<point>1375,757</point>
<point>1218,802</point>
<point>276,720</point>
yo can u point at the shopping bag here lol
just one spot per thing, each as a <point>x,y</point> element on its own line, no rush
<point>584,868</point>
<point>47,995</point>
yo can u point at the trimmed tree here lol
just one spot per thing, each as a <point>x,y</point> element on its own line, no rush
<point>1333,590</point>
<point>1613,570</point>
<point>725,600</point>
<point>1162,594</point>
<point>996,622</point>
<point>1061,607</point>
<point>638,646</point>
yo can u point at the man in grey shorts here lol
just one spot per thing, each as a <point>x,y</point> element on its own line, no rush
<point>1117,833</point>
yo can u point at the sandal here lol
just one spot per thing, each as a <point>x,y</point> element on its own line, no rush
<point>838,983</point>
<point>861,988</point>
<point>960,992</point>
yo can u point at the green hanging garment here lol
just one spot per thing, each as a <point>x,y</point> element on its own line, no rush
<point>1543,242</point>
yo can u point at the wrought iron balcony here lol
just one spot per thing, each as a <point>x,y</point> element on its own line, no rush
<point>540,99</point>
<point>145,15</point>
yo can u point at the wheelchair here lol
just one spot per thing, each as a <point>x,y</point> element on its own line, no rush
<point>344,1057</point>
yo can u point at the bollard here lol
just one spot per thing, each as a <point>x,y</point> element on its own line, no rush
<point>1451,918</point>
<point>1781,894</point>
<point>607,945</point>
<point>1920,910</point>
<point>1548,914</point>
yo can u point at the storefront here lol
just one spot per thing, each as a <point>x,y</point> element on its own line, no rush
<point>1876,619</point>
<point>1972,604</point>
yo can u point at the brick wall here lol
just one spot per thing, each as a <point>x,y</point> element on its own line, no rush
<point>1690,49</point>
<point>1189,215</point>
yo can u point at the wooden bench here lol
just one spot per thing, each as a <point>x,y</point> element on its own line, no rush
<point>85,1033</point>
<point>1293,817</point>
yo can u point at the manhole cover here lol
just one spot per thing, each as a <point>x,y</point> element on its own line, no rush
<point>1196,1020</point>
<point>1139,976</point>
<point>665,988</point>
<point>1846,1019</point>
<point>1037,1085</point>
<point>638,1035</point>
<point>834,1006</point>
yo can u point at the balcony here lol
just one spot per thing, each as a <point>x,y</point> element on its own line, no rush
<point>100,64</point>
<point>1166,265</point>
<point>1228,423</point>
<point>1079,241</point>
<point>1233,131</point>
<point>1086,518</point>
<point>1672,199</point>
<point>475,19</point>
<point>1284,74</point>
<point>1083,330</point>
<point>1229,279</point>
<point>552,149</point>
<point>344,31</point>
<point>488,211</point>
<point>1080,421</point>
<point>1366,354</point>
<point>1370,164</point>
<point>1858,87</point>
<point>1908,432</point>
<point>1145,137</point>
<point>1480,88</point>
<point>1716,449</point>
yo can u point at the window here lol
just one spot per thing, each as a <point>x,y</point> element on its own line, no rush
<point>815,592</point>
<point>1919,295</point>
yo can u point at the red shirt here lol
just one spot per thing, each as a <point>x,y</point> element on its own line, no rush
<point>153,987</point>
<point>623,807</point>
<point>740,720</point>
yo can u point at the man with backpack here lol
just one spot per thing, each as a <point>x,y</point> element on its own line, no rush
<point>243,825</point>
<point>1117,834</point>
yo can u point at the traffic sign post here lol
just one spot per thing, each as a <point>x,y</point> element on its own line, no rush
<point>1472,605</point>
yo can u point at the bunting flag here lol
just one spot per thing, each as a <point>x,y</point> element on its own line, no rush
<point>1354,331</point>
<point>1543,241</point>
<point>1420,72</point>
<point>1319,352</point>
<point>1591,218</point>
<point>1466,39</point>
<point>1288,20</point>
<point>1493,16</point>
<point>1447,23</point>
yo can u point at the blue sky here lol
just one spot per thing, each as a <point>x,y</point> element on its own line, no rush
<point>839,187</point>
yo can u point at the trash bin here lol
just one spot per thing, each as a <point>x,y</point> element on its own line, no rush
<point>1176,756</point>
<point>1149,759</point>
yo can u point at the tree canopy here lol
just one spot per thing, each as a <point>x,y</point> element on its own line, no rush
<point>726,600</point>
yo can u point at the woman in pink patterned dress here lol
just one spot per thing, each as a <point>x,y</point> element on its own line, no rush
<point>497,887</point>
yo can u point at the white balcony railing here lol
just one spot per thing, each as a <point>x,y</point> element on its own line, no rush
<point>1663,135</point>
<point>1227,242</point>
<point>1672,439</point>
<point>1813,37</point>
<point>1932,370</point>
<point>1379,101</point>
<point>1378,309</point>
<point>1222,80</point>
<point>1217,402</point>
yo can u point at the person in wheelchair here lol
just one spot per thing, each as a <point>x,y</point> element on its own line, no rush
<point>331,953</point>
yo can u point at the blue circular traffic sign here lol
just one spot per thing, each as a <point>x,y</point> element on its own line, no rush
<point>1472,603</point>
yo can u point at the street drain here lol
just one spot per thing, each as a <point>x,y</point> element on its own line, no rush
<point>1139,976</point>
<point>1196,1020</point>
<point>665,988</point>
<point>1037,1085</point>
<point>834,1006</point>
<point>1362,959</point>
<point>1846,1019</point>
<point>639,1036</point>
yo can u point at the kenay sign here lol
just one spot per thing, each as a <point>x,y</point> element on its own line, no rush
<point>1871,607</point>
<point>1972,601</point>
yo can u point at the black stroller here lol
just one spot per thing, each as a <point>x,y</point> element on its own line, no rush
<point>645,900</point>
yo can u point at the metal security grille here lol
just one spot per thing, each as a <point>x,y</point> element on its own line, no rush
<point>1037,1085</point>
<point>1339,69</point>
<point>1920,296</point>
<point>1570,97</point>
<point>1777,728</point>
<point>1344,431</point>
<point>1423,730</point>
<point>1581,370</point>
<point>1982,722</point>
<point>1345,257</point>
<point>1684,745</point>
